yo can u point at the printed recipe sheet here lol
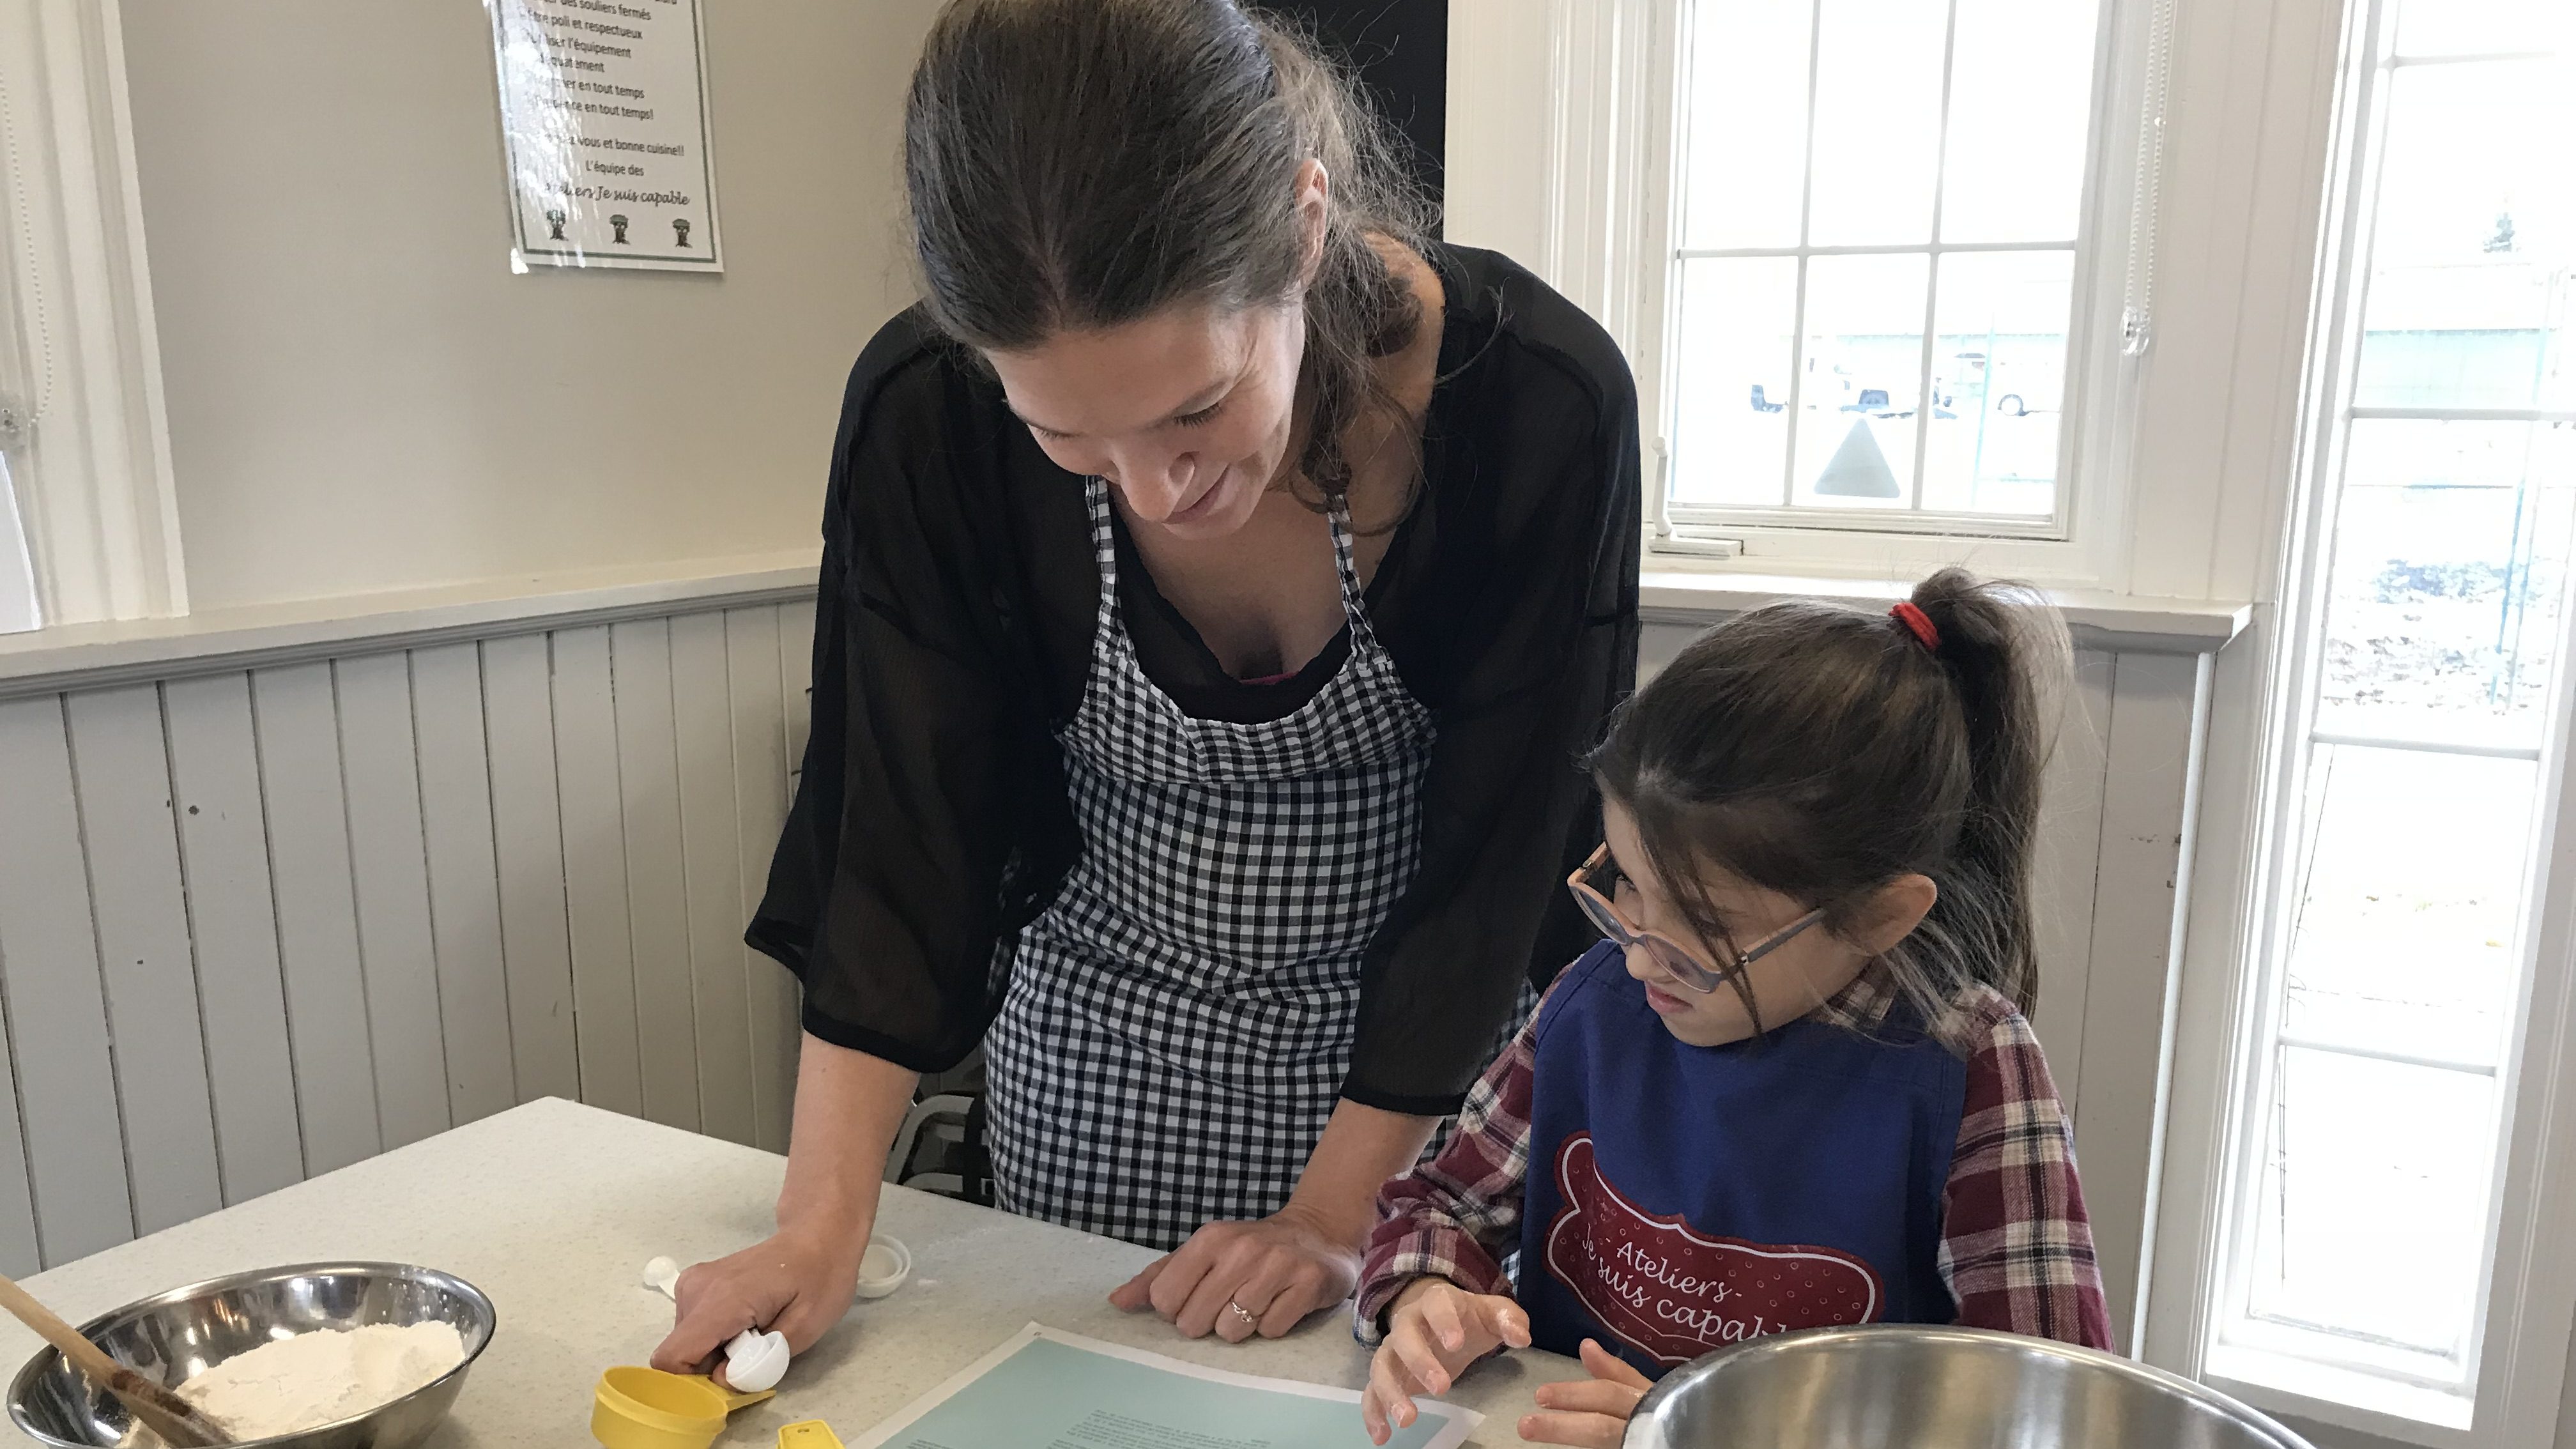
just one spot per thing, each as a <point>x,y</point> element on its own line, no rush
<point>1044,1389</point>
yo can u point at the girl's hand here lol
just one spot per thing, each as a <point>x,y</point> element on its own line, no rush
<point>1592,1412</point>
<point>1435,1329</point>
<point>1278,1269</point>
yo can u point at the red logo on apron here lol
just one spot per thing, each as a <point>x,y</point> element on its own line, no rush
<point>1674,1293</point>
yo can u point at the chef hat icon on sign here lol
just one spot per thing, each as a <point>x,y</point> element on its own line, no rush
<point>680,229</point>
<point>619,223</point>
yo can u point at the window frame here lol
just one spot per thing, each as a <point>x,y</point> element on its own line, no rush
<point>2083,548</point>
<point>20,610</point>
<point>2514,1373</point>
<point>94,486</point>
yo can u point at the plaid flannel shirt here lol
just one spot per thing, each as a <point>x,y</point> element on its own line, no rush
<point>2016,1247</point>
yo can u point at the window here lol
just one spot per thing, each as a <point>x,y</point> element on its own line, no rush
<point>18,399</point>
<point>1878,253</point>
<point>85,485</point>
<point>2402,937</point>
<point>19,609</point>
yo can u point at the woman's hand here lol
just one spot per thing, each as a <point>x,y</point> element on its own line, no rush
<point>1593,1411</point>
<point>801,1279</point>
<point>1278,1269</point>
<point>1300,1259</point>
<point>1435,1329</point>
<point>790,1283</point>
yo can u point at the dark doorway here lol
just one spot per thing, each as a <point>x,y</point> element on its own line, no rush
<point>1401,48</point>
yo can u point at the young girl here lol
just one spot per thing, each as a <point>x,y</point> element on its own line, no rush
<point>1795,1086</point>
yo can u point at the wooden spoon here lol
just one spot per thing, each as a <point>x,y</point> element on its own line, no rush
<point>182,1424</point>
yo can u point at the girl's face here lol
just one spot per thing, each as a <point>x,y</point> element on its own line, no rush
<point>1188,413</point>
<point>1787,983</point>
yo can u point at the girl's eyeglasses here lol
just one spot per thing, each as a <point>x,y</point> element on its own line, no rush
<point>1596,882</point>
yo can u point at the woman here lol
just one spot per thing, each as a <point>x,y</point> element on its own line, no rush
<point>1219,584</point>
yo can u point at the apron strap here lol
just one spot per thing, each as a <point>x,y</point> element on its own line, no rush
<point>1344,565</point>
<point>1104,555</point>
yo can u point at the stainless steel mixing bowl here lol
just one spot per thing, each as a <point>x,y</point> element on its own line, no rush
<point>188,1330</point>
<point>1924,1387</point>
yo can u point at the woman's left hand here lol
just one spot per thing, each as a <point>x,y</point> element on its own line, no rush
<point>1591,1411</point>
<point>1276,1269</point>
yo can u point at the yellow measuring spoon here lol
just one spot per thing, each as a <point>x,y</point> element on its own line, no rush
<point>808,1434</point>
<point>642,1408</point>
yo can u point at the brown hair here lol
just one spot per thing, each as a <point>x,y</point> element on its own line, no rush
<point>1078,164</point>
<point>1821,751</point>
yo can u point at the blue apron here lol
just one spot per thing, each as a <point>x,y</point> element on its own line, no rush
<point>1683,1198</point>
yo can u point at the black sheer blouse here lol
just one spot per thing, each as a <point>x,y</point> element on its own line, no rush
<point>953,635</point>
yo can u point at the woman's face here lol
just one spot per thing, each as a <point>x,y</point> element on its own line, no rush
<point>1188,413</point>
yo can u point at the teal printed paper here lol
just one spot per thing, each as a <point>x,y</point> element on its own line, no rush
<point>1049,1390</point>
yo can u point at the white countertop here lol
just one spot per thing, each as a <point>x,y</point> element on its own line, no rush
<point>552,1209</point>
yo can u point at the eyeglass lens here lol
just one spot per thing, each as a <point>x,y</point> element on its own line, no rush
<point>1690,971</point>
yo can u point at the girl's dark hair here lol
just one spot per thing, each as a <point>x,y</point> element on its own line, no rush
<point>1821,751</point>
<point>1077,164</point>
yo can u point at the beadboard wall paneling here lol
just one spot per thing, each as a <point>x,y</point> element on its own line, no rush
<point>258,924</point>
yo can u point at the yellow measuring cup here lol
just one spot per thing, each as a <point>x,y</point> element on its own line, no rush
<point>642,1408</point>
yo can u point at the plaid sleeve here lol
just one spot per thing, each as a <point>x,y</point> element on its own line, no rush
<point>2016,1248</point>
<point>1456,1216</point>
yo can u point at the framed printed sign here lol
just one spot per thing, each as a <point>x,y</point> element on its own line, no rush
<point>604,126</point>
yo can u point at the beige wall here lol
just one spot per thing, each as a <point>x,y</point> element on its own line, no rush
<point>362,397</point>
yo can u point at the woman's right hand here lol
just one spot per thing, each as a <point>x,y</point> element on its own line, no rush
<point>1435,1330</point>
<point>802,1278</point>
<point>795,1283</point>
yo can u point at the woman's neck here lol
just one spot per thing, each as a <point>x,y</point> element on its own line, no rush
<point>1383,442</point>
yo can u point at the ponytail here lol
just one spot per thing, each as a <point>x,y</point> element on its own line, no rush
<point>1358,309</point>
<point>2006,654</point>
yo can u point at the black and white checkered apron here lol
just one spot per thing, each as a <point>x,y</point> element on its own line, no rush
<point>1179,1021</point>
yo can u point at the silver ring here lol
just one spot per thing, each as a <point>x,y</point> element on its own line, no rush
<point>1243,1313</point>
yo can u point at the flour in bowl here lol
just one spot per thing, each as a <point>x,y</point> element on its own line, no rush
<point>289,1385</point>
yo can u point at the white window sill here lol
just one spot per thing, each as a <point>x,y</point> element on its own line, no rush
<point>99,655</point>
<point>90,656</point>
<point>1675,593</point>
<point>2290,1386</point>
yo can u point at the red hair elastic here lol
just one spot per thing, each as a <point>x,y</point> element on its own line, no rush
<point>1918,624</point>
